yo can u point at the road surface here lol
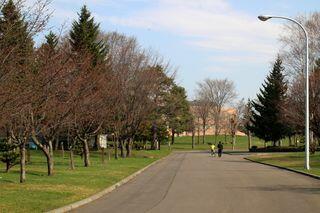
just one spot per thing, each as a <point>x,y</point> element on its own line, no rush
<point>195,182</point>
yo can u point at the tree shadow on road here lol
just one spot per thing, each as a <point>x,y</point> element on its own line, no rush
<point>237,161</point>
<point>286,188</point>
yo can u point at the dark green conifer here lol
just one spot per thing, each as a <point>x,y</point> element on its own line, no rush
<point>52,40</point>
<point>84,36</point>
<point>15,41</point>
<point>266,121</point>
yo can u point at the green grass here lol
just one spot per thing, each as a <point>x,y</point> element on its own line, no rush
<point>291,160</point>
<point>41,193</point>
<point>185,142</point>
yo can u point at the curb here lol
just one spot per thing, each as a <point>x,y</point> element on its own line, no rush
<point>285,168</point>
<point>106,191</point>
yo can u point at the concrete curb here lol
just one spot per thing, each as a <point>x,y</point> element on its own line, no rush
<point>284,168</point>
<point>106,191</point>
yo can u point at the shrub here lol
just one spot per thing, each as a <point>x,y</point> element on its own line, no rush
<point>277,149</point>
<point>8,154</point>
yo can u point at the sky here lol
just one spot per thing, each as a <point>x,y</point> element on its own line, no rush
<point>213,39</point>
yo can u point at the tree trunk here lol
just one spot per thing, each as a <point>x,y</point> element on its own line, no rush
<point>71,156</point>
<point>56,144</point>
<point>198,131</point>
<point>115,144</point>
<point>28,153</point>
<point>102,155</point>
<point>129,147</point>
<point>47,151</point>
<point>62,150</point>
<point>144,144</point>
<point>50,159</point>
<point>172,136</point>
<point>216,133</point>
<point>193,138</point>
<point>22,162</point>
<point>7,167</point>
<point>86,153</point>
<point>233,141</point>
<point>249,140</point>
<point>50,165</point>
<point>216,130</point>
<point>198,140</point>
<point>109,154</point>
<point>122,149</point>
<point>154,145</point>
<point>203,132</point>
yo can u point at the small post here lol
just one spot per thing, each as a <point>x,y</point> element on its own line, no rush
<point>109,153</point>
<point>102,155</point>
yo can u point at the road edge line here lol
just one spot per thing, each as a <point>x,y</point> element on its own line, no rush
<point>285,168</point>
<point>104,192</point>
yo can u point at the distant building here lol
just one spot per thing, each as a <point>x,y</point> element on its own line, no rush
<point>227,114</point>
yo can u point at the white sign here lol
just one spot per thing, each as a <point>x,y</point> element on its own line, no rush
<point>103,141</point>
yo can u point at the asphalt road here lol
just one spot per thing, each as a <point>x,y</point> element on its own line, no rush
<point>196,182</point>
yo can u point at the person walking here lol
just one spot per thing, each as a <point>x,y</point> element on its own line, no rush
<point>220,149</point>
<point>213,150</point>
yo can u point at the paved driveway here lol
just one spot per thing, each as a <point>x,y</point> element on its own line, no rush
<point>195,182</point>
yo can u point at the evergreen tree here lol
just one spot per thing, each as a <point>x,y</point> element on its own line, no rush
<point>84,36</point>
<point>52,40</point>
<point>15,42</point>
<point>266,122</point>
<point>177,111</point>
<point>8,154</point>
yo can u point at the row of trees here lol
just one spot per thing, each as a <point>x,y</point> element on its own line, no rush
<point>76,86</point>
<point>279,110</point>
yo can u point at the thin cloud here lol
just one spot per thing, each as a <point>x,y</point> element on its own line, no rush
<point>208,24</point>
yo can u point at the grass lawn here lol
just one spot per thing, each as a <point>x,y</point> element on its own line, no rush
<point>291,160</point>
<point>185,142</point>
<point>41,193</point>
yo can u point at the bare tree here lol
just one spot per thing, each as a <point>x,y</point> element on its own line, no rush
<point>235,120</point>
<point>140,78</point>
<point>219,93</point>
<point>293,43</point>
<point>18,26</point>
<point>246,122</point>
<point>202,111</point>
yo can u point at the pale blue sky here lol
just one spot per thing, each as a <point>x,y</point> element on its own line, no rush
<point>202,38</point>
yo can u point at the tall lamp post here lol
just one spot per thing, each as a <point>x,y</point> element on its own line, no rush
<point>267,17</point>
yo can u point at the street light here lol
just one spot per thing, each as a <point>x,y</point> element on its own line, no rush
<point>267,17</point>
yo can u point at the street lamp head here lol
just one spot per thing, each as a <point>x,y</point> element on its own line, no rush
<point>264,18</point>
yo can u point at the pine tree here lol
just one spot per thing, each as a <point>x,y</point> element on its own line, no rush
<point>84,36</point>
<point>8,154</point>
<point>52,40</point>
<point>15,42</point>
<point>266,116</point>
<point>177,111</point>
